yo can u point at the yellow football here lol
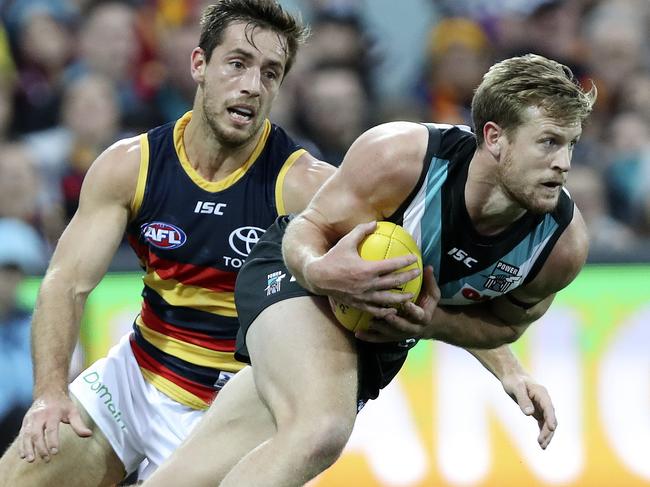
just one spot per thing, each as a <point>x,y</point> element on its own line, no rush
<point>387,241</point>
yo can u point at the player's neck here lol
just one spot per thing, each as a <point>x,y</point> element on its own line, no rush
<point>211,159</point>
<point>490,208</point>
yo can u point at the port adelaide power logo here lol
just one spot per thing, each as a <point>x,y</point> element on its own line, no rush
<point>502,277</point>
<point>163,235</point>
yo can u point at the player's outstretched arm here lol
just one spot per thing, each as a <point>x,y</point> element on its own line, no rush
<point>532,398</point>
<point>80,260</point>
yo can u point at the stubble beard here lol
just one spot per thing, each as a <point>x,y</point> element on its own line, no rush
<point>231,139</point>
<point>520,194</point>
<point>531,204</point>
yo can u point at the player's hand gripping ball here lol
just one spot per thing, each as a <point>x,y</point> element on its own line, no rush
<point>387,241</point>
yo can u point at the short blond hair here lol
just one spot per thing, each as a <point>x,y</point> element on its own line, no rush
<point>515,84</point>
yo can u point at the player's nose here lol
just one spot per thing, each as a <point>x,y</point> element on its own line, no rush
<point>251,83</point>
<point>562,160</point>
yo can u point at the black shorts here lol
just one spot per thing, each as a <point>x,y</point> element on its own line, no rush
<point>264,280</point>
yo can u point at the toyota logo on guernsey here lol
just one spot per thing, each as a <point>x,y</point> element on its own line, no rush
<point>243,239</point>
<point>163,235</point>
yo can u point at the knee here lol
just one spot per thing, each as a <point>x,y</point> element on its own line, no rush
<point>321,441</point>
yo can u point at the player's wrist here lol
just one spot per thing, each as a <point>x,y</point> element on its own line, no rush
<point>50,393</point>
<point>51,388</point>
<point>312,276</point>
<point>434,329</point>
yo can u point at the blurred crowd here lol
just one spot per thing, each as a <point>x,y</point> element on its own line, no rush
<point>77,75</point>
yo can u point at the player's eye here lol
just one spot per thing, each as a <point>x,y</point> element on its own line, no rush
<point>548,142</point>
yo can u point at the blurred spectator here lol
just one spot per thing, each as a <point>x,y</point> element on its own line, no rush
<point>628,176</point>
<point>548,27</point>
<point>109,46</point>
<point>338,36</point>
<point>333,109</point>
<point>21,252</point>
<point>616,33</point>
<point>176,94</point>
<point>459,55</point>
<point>89,124</point>
<point>19,183</point>
<point>24,192</point>
<point>13,11</point>
<point>137,53</point>
<point>606,235</point>
<point>43,50</point>
<point>636,94</point>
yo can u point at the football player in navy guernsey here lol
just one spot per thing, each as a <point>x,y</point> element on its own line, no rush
<point>193,196</point>
<point>499,237</point>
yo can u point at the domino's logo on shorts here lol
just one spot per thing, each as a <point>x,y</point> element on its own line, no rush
<point>163,235</point>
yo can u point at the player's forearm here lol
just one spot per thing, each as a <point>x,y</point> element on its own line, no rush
<point>55,329</point>
<point>472,326</point>
<point>499,361</point>
<point>302,245</point>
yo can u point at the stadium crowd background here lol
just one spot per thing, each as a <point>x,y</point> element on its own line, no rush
<point>77,75</point>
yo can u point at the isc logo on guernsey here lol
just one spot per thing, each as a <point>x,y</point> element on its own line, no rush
<point>163,235</point>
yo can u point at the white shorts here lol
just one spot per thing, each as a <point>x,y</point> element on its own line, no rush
<point>139,421</point>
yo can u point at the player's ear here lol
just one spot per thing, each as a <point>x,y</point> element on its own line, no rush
<point>493,136</point>
<point>198,64</point>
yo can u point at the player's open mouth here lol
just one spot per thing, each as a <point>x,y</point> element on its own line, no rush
<point>552,184</point>
<point>241,114</point>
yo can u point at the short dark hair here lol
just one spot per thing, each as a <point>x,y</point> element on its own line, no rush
<point>512,85</point>
<point>266,14</point>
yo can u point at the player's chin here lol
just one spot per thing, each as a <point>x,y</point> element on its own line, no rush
<point>236,136</point>
<point>543,204</point>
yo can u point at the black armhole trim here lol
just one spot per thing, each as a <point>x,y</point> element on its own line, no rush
<point>433,146</point>
<point>564,223</point>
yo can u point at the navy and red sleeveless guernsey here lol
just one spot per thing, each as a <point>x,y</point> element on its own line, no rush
<point>191,236</point>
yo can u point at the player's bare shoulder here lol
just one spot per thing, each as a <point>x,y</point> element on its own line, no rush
<point>114,174</point>
<point>302,181</point>
<point>395,148</point>
<point>387,161</point>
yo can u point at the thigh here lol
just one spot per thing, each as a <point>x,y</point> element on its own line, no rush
<point>235,423</point>
<point>80,462</point>
<point>304,363</point>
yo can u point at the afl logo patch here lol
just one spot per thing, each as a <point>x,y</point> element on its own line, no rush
<point>163,235</point>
